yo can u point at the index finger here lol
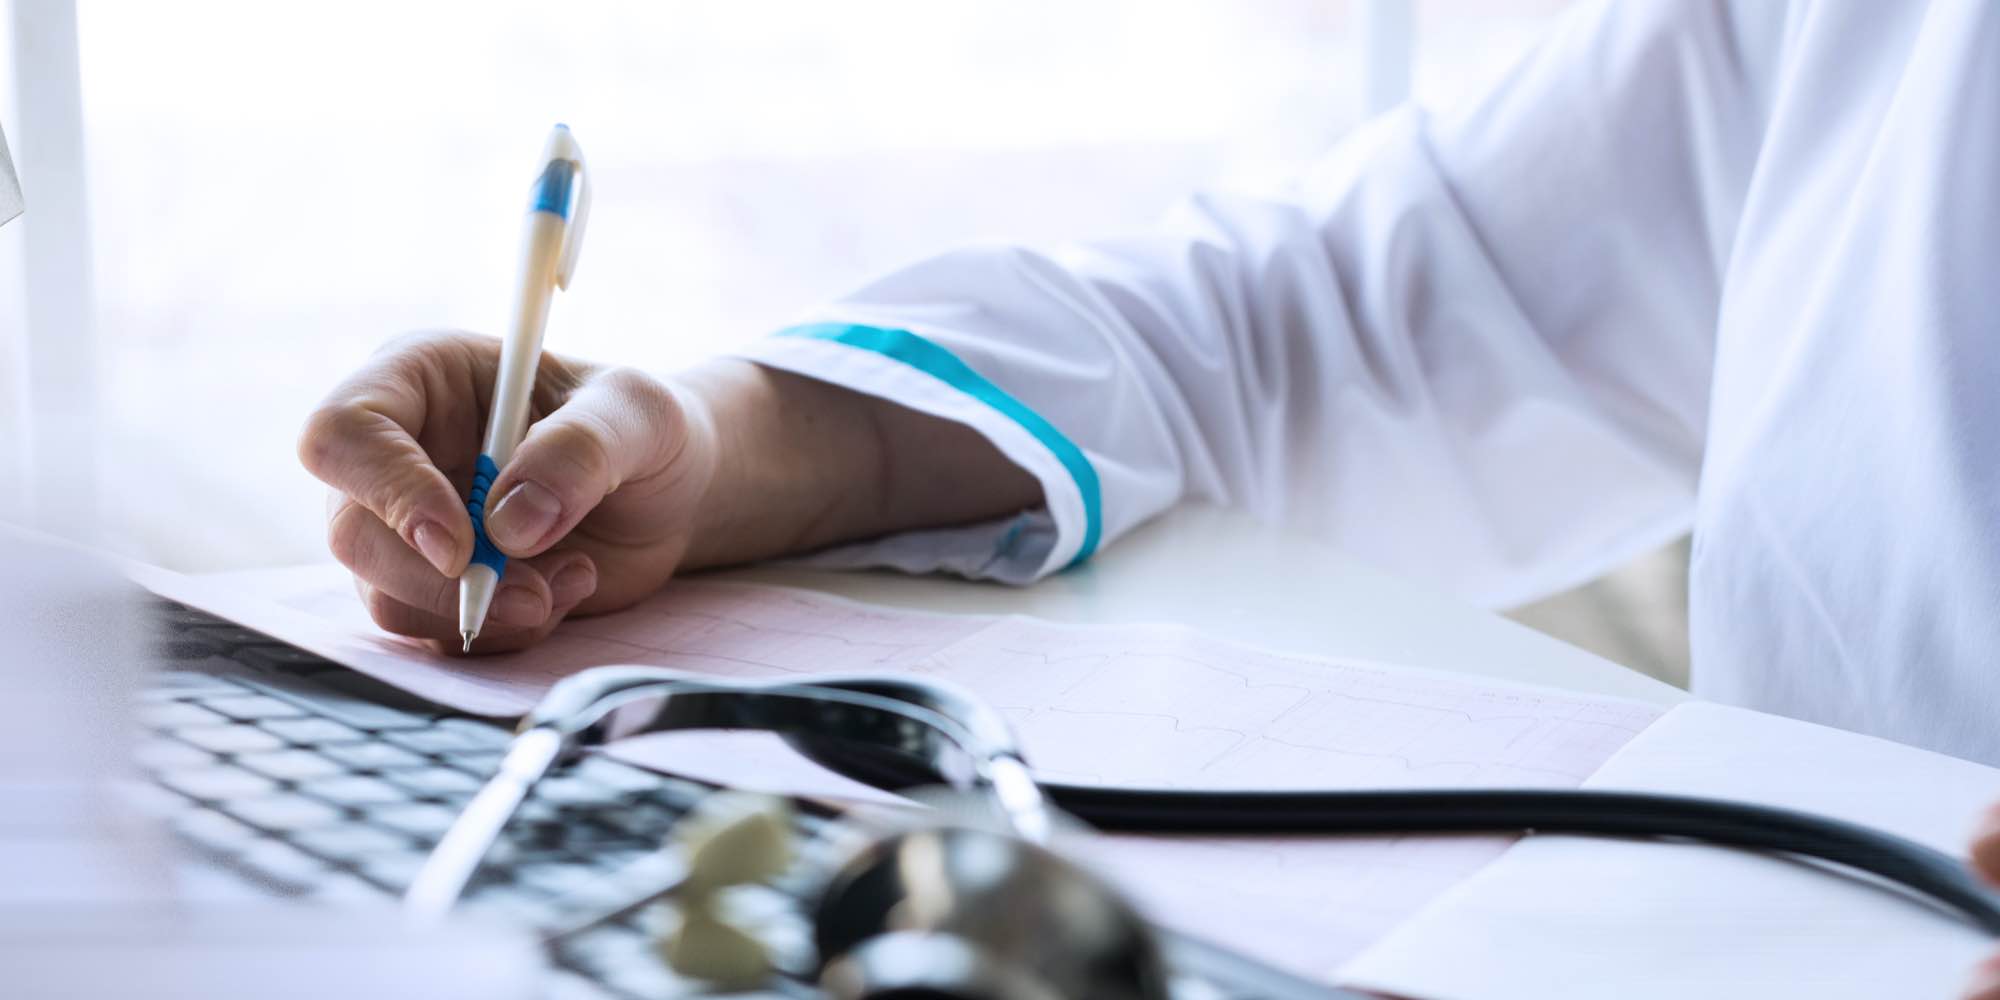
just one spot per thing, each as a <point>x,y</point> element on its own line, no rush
<point>362,441</point>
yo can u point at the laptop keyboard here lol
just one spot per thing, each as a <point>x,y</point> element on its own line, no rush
<point>306,780</point>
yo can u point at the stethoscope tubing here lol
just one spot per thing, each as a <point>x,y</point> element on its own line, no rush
<point>1911,865</point>
<point>1926,871</point>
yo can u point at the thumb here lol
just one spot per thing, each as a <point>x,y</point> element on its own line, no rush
<point>620,426</point>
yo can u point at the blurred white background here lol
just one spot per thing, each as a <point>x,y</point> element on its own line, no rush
<point>276,188</point>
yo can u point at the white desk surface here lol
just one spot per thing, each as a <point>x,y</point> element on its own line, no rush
<point>1231,576</point>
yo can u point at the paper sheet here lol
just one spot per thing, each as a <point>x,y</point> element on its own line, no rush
<point>1569,917</point>
<point>1155,705</point>
<point>10,186</point>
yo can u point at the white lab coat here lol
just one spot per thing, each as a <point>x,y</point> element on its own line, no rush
<point>1728,265</point>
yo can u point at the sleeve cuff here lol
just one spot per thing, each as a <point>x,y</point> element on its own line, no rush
<point>905,368</point>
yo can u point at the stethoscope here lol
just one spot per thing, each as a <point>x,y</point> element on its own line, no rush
<point>912,911</point>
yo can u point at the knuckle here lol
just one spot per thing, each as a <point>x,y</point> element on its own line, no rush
<point>428,344</point>
<point>343,536</point>
<point>320,437</point>
<point>650,407</point>
<point>577,451</point>
<point>650,403</point>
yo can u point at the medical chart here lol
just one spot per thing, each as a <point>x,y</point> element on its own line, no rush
<point>1152,705</point>
<point>1653,921</point>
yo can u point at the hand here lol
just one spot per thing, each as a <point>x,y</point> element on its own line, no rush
<point>622,480</point>
<point>1986,861</point>
<point>595,510</point>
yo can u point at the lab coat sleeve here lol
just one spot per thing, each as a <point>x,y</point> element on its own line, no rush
<point>1473,347</point>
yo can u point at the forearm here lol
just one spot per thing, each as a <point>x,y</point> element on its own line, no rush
<point>804,464</point>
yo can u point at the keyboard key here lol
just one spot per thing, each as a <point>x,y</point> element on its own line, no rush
<point>566,791</point>
<point>557,880</point>
<point>479,762</point>
<point>629,961</point>
<point>341,888</point>
<point>584,837</point>
<point>213,831</point>
<point>177,615</point>
<point>435,782</point>
<point>161,754</point>
<point>236,738</point>
<point>290,765</point>
<point>217,783</point>
<point>210,674</point>
<point>177,715</point>
<point>252,707</point>
<point>283,812</point>
<point>229,634</point>
<point>282,658</point>
<point>309,732</point>
<point>476,733</point>
<point>640,819</point>
<point>423,820</point>
<point>373,756</point>
<point>394,872</point>
<point>615,776</point>
<point>355,790</point>
<point>451,736</point>
<point>186,646</point>
<point>152,800</point>
<point>279,862</point>
<point>352,841</point>
<point>560,985</point>
<point>363,714</point>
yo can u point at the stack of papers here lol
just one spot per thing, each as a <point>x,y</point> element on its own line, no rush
<point>1167,707</point>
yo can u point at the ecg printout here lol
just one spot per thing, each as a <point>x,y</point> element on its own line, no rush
<point>1133,705</point>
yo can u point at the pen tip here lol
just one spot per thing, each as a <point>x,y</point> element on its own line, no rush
<point>468,637</point>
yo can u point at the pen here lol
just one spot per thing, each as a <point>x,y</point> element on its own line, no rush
<point>558,203</point>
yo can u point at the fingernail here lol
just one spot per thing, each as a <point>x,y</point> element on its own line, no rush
<point>577,581</point>
<point>435,543</point>
<point>523,516</point>
<point>518,606</point>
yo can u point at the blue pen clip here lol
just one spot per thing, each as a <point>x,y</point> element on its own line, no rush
<point>564,189</point>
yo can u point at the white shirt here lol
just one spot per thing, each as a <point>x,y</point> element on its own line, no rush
<point>1728,265</point>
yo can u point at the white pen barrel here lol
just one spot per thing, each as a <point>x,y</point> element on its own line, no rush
<point>521,350</point>
<point>548,254</point>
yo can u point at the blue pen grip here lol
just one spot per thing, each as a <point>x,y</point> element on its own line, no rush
<point>483,551</point>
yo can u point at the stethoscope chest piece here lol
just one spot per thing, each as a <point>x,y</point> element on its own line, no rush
<point>977,914</point>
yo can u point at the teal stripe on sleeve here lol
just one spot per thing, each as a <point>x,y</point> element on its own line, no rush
<point>929,358</point>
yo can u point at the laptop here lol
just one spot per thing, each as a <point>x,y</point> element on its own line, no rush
<point>294,777</point>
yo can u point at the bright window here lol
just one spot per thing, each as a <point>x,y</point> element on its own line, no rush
<point>277,188</point>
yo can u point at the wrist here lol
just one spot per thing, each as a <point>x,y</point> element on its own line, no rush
<point>792,459</point>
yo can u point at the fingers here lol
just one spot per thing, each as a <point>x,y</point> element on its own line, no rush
<point>618,427</point>
<point>1985,981</point>
<point>378,557</point>
<point>534,596</point>
<point>1986,846</point>
<point>361,441</point>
